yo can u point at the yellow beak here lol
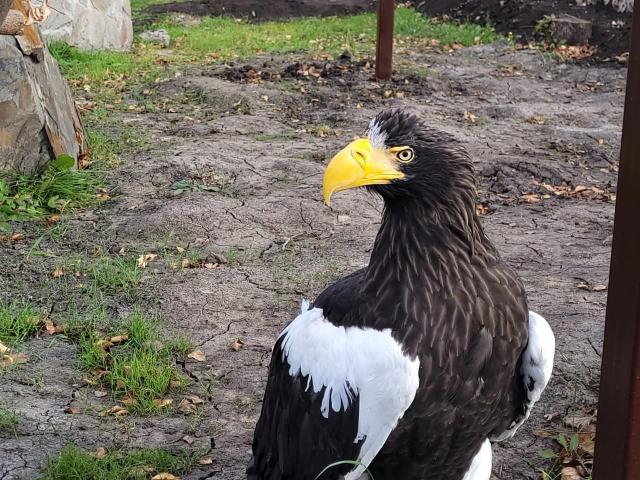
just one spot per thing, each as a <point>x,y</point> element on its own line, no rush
<point>357,165</point>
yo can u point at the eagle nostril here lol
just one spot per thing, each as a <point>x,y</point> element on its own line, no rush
<point>359,157</point>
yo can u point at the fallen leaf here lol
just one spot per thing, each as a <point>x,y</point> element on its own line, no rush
<point>577,422</point>
<point>13,359</point>
<point>537,120</point>
<point>98,372</point>
<point>58,272</point>
<point>72,410</point>
<point>186,263</point>
<point>3,348</point>
<point>120,385</point>
<point>128,400</point>
<point>570,473</point>
<point>188,439</point>
<point>50,328</point>
<point>205,461</point>
<point>144,260</point>
<point>165,476</point>
<point>99,453</point>
<point>237,345</point>
<point>186,407</point>
<point>116,410</point>
<point>470,116</point>
<point>162,402</point>
<point>100,393</point>
<point>196,400</point>
<point>180,249</point>
<point>119,339</point>
<point>197,355</point>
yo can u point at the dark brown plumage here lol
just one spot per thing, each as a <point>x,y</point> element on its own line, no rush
<point>438,283</point>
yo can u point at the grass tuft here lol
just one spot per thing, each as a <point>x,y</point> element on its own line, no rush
<point>17,323</point>
<point>74,463</point>
<point>9,420</point>
<point>115,274</point>
<point>140,369</point>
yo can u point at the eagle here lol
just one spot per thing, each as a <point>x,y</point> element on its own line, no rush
<point>409,368</point>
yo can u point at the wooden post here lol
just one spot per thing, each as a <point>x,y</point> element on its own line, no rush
<point>617,454</point>
<point>384,44</point>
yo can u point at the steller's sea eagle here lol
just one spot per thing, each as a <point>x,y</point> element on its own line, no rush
<point>410,367</point>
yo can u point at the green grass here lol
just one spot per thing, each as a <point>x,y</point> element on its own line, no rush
<point>115,274</point>
<point>216,39</point>
<point>140,369</point>
<point>73,463</point>
<point>58,189</point>
<point>9,420</point>
<point>17,323</point>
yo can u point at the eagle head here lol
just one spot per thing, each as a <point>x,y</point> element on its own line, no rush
<point>403,160</point>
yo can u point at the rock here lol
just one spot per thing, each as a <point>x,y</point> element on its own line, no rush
<point>569,29</point>
<point>90,24</point>
<point>161,37</point>
<point>38,118</point>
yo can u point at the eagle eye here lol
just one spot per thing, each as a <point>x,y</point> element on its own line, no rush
<point>405,155</point>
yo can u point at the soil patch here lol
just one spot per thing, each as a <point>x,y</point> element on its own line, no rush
<point>267,10</point>
<point>611,30</point>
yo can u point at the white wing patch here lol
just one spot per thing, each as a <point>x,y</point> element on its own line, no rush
<point>537,364</point>
<point>367,361</point>
<point>480,468</point>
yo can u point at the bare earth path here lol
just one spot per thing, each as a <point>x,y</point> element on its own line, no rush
<point>527,121</point>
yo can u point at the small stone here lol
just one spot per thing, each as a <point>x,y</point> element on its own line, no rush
<point>160,37</point>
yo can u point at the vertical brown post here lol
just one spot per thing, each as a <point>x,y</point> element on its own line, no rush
<point>384,45</point>
<point>617,455</point>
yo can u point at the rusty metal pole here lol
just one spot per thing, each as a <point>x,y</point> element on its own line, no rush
<point>617,455</point>
<point>384,44</point>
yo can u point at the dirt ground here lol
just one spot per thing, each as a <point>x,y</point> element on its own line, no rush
<point>544,136</point>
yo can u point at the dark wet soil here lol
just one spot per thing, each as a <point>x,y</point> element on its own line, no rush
<point>610,34</point>
<point>267,10</point>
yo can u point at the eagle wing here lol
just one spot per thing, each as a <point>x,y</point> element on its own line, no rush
<point>334,393</point>
<point>536,364</point>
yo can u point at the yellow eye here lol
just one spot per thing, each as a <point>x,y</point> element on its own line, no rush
<point>405,156</point>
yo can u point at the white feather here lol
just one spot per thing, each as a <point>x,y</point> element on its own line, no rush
<point>376,136</point>
<point>536,368</point>
<point>480,468</point>
<point>367,361</point>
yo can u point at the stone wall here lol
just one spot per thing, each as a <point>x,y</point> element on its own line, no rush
<point>90,24</point>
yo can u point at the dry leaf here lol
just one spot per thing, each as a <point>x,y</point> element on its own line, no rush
<point>99,453</point>
<point>470,116</point>
<point>120,385</point>
<point>116,410</point>
<point>196,400</point>
<point>186,407</point>
<point>144,260</point>
<point>237,345</point>
<point>58,272</point>
<point>197,355</point>
<point>536,120</point>
<point>205,461</point>
<point>576,422</point>
<point>570,473</point>
<point>50,328</point>
<point>186,263</point>
<point>72,410</point>
<point>180,249</point>
<point>119,339</point>
<point>162,402</point>
<point>165,476</point>
<point>128,400</point>
<point>100,393</point>
<point>98,372</point>
<point>188,439</point>
<point>3,348</point>
<point>13,359</point>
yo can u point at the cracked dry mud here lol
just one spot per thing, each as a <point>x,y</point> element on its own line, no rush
<point>533,121</point>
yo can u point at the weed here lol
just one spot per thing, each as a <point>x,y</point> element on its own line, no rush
<point>17,323</point>
<point>74,463</point>
<point>58,189</point>
<point>9,420</point>
<point>131,359</point>
<point>115,274</point>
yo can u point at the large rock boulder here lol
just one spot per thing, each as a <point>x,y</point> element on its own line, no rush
<point>38,117</point>
<point>90,24</point>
